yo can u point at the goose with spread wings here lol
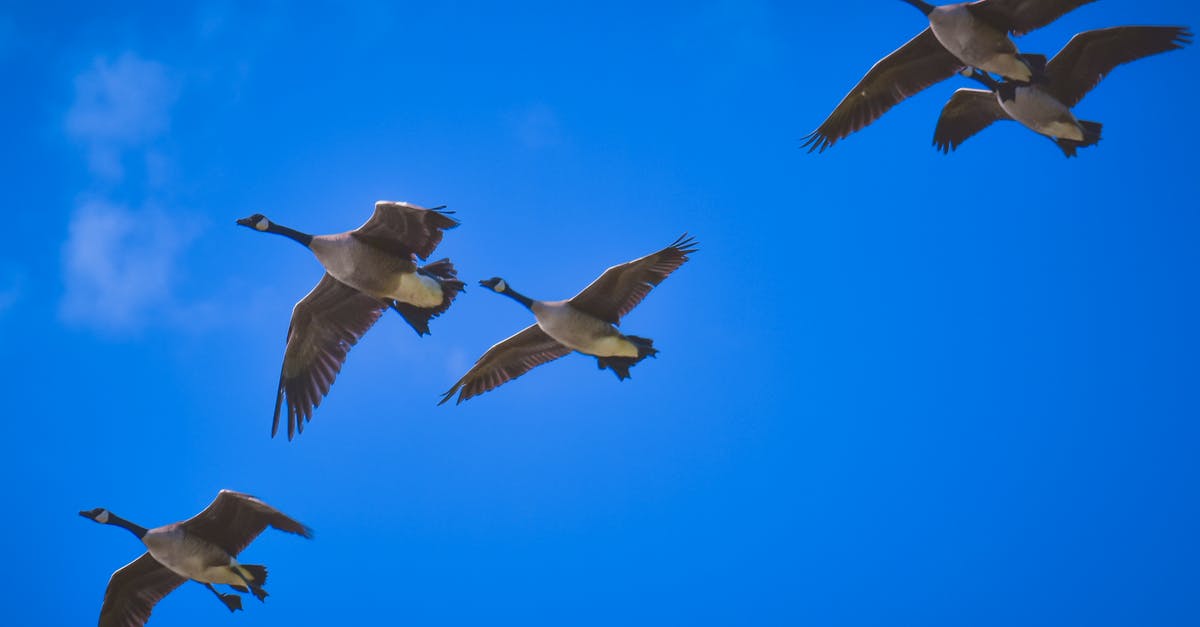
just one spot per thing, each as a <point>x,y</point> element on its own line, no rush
<point>585,323</point>
<point>1045,106</point>
<point>367,270</point>
<point>965,34</point>
<point>203,548</point>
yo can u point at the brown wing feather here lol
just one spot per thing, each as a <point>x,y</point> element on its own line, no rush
<point>1022,16</point>
<point>1091,55</point>
<point>506,361</point>
<point>325,325</point>
<point>134,590</point>
<point>919,63</point>
<point>233,520</point>
<point>968,112</point>
<point>622,287</point>
<point>405,229</point>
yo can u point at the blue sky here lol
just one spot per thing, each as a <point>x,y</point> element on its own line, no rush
<point>895,387</point>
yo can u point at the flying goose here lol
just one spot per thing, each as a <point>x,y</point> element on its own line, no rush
<point>1045,106</point>
<point>585,323</point>
<point>965,34</point>
<point>367,270</point>
<point>202,548</point>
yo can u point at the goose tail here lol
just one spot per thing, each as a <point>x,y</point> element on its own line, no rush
<point>446,275</point>
<point>621,365</point>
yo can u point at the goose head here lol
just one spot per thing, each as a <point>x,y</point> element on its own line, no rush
<point>495,284</point>
<point>99,515</point>
<point>258,222</point>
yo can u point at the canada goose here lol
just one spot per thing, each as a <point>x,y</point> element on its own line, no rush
<point>965,34</point>
<point>585,323</point>
<point>1045,106</point>
<point>367,270</point>
<point>202,548</point>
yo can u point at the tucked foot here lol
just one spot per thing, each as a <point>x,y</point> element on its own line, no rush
<point>231,601</point>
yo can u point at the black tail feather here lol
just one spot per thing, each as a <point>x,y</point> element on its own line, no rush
<point>418,317</point>
<point>1091,135</point>
<point>621,365</point>
<point>258,573</point>
<point>1037,65</point>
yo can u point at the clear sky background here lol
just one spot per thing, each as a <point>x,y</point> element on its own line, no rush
<point>895,387</point>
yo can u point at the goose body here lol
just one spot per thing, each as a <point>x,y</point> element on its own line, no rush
<point>977,43</point>
<point>580,331</point>
<point>586,323</point>
<point>960,35</point>
<point>367,271</point>
<point>1032,106</point>
<point>1045,106</point>
<point>375,272</point>
<point>192,557</point>
<point>203,549</point>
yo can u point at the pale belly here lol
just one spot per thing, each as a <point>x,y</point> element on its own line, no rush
<point>1043,113</point>
<point>202,565</point>
<point>975,44</point>
<point>583,333</point>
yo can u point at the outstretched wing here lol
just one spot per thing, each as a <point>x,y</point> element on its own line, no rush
<point>134,590</point>
<point>325,325</point>
<point>233,520</point>
<point>1022,16</point>
<point>968,112</point>
<point>506,361</point>
<point>405,229</point>
<point>1091,55</point>
<point>622,287</point>
<point>909,69</point>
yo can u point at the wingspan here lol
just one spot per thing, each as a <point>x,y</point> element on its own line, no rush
<point>134,590</point>
<point>233,520</point>
<point>1091,55</point>
<point>1022,16</point>
<point>620,289</point>
<point>405,229</point>
<point>506,361</point>
<point>909,69</point>
<point>325,325</point>
<point>968,112</point>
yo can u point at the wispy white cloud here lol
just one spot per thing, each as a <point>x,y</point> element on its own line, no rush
<point>118,265</point>
<point>119,262</point>
<point>120,105</point>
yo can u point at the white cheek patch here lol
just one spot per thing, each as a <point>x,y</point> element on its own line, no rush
<point>262,224</point>
<point>103,517</point>
<point>500,286</point>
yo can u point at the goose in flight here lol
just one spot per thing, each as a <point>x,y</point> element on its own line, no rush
<point>367,270</point>
<point>1045,105</point>
<point>965,34</point>
<point>203,548</point>
<point>585,323</point>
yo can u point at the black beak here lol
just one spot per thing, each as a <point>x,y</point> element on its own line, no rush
<point>245,222</point>
<point>484,283</point>
<point>84,514</point>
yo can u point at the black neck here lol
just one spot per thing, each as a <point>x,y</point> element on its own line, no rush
<point>924,7</point>
<point>304,238</point>
<point>520,298</point>
<point>984,79</point>
<point>137,530</point>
